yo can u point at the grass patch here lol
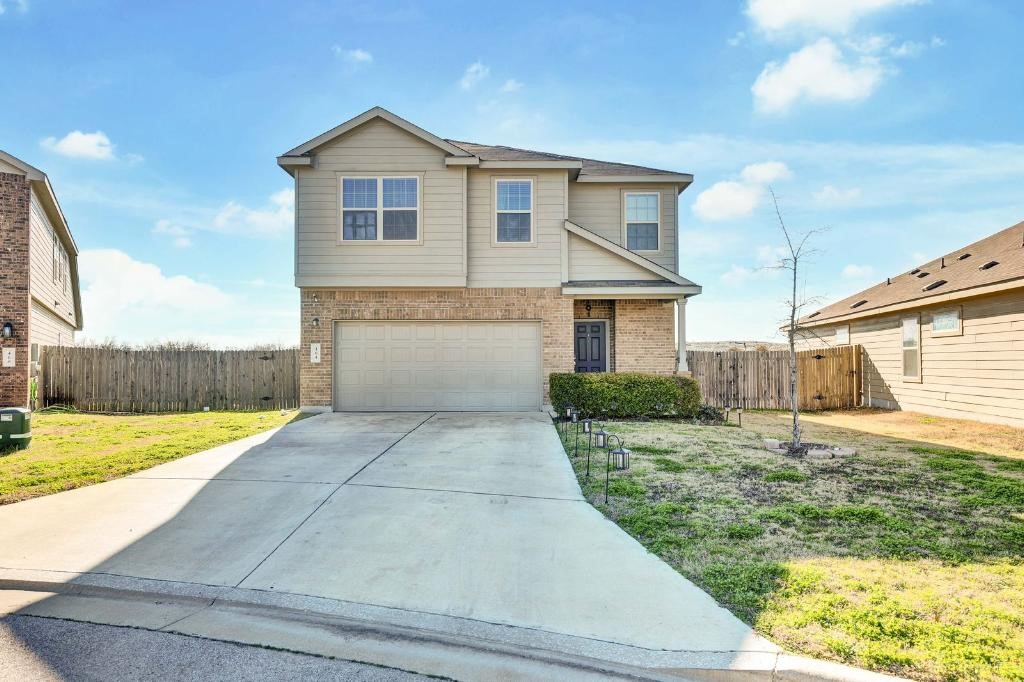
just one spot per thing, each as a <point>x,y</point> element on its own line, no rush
<point>906,559</point>
<point>73,450</point>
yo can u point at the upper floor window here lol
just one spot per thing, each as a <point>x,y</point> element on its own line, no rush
<point>514,210</point>
<point>642,221</point>
<point>380,209</point>
<point>843,335</point>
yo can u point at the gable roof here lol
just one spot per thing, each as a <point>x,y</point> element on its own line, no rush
<point>41,184</point>
<point>589,168</point>
<point>628,255</point>
<point>995,260</point>
<point>376,112</point>
<point>472,153</point>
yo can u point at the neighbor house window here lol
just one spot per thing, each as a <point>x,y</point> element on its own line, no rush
<point>843,335</point>
<point>56,267</point>
<point>642,221</point>
<point>514,210</point>
<point>947,323</point>
<point>911,349</point>
<point>380,209</point>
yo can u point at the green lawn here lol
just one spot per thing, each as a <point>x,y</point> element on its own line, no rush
<point>905,559</point>
<point>72,450</point>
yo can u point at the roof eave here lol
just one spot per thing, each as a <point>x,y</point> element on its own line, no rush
<point>683,179</point>
<point>532,164</point>
<point>982,290</point>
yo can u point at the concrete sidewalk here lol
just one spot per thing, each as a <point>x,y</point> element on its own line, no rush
<point>457,529</point>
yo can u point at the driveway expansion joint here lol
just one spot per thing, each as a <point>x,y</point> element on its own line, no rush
<point>467,492</point>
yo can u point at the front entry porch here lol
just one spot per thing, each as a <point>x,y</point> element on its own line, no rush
<point>629,335</point>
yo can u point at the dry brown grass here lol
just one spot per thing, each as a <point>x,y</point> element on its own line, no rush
<point>992,439</point>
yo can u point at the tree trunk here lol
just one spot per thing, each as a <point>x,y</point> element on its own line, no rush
<point>794,405</point>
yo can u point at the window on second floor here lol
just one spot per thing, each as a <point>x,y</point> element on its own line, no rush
<point>514,210</point>
<point>380,209</point>
<point>642,221</point>
<point>843,335</point>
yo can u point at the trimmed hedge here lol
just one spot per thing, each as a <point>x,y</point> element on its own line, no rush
<point>625,395</point>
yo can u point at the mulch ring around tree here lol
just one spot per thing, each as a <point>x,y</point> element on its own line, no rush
<point>812,450</point>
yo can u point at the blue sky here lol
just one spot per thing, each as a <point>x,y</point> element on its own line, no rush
<point>896,123</point>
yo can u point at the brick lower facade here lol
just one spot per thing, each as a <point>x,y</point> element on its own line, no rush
<point>15,201</point>
<point>648,348</point>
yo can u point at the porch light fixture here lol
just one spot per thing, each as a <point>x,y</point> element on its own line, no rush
<point>619,458</point>
<point>7,331</point>
<point>316,297</point>
<point>316,321</point>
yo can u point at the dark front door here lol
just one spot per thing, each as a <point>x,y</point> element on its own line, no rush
<point>591,341</point>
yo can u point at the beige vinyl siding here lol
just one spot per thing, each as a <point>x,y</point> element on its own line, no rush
<point>599,208</point>
<point>538,264</point>
<point>8,168</point>
<point>382,149</point>
<point>48,329</point>
<point>54,295</point>
<point>588,261</point>
<point>977,375</point>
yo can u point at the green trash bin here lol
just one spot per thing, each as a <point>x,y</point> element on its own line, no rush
<point>15,427</point>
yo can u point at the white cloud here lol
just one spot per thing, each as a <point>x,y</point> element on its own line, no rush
<point>771,256</point>
<point>136,302</point>
<point>20,5</point>
<point>730,199</point>
<point>79,145</point>
<point>766,173</point>
<point>179,236</point>
<point>830,194</point>
<point>853,271</point>
<point>511,85</point>
<point>736,275</point>
<point>727,200</point>
<point>737,39</point>
<point>817,73</point>
<point>820,16</point>
<point>355,57</point>
<point>275,219</point>
<point>475,73</point>
<point>870,44</point>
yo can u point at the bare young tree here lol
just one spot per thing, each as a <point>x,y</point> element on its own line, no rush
<point>798,252</point>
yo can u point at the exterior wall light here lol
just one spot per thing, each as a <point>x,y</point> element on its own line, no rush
<point>7,331</point>
<point>316,321</point>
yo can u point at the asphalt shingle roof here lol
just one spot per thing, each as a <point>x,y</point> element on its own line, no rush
<point>959,270</point>
<point>593,167</point>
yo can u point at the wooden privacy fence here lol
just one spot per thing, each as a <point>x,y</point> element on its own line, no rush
<point>829,378</point>
<point>113,380</point>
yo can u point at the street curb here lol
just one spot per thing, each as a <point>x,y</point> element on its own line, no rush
<point>427,643</point>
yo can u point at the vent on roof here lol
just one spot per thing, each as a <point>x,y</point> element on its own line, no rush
<point>934,285</point>
<point>989,265</point>
<point>915,271</point>
<point>963,256</point>
<point>814,314</point>
<point>859,303</point>
<point>921,274</point>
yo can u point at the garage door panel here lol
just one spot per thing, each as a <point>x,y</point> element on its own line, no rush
<point>437,366</point>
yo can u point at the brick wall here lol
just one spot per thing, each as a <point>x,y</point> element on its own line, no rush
<point>599,310</point>
<point>15,199</point>
<point>645,336</point>
<point>554,311</point>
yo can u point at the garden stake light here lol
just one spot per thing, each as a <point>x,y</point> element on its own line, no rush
<point>600,441</point>
<point>589,431</point>
<point>576,420</point>
<point>621,456</point>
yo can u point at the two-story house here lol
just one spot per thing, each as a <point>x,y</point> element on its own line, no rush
<point>40,303</point>
<point>445,275</point>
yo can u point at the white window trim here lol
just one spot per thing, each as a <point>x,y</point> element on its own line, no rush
<point>959,331</point>
<point>380,208</point>
<point>625,224</point>
<point>533,213</point>
<point>847,341</point>
<point>920,368</point>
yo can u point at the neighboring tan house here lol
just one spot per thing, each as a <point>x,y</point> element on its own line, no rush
<point>445,275</point>
<point>946,338</point>
<point>39,295</point>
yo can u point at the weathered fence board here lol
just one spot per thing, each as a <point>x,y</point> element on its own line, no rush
<point>115,380</point>
<point>829,378</point>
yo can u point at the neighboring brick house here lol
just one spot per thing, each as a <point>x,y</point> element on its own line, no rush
<point>436,274</point>
<point>945,338</point>
<point>39,295</point>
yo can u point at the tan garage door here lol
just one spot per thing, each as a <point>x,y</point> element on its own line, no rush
<point>393,366</point>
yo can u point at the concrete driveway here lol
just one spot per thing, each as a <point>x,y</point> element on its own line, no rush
<point>466,523</point>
